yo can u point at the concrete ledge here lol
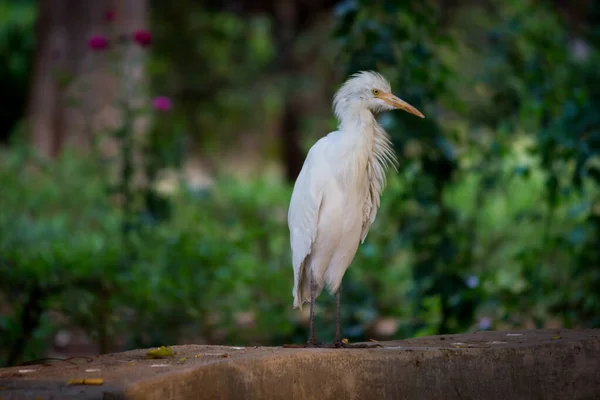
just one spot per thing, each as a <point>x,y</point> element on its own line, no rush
<point>541,364</point>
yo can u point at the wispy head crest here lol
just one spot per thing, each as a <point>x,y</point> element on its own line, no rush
<point>355,87</point>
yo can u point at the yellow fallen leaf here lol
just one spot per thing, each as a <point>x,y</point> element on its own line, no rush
<point>345,341</point>
<point>198,356</point>
<point>182,359</point>
<point>556,337</point>
<point>161,352</point>
<point>86,381</point>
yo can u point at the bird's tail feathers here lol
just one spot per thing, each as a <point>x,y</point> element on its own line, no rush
<point>298,287</point>
<point>301,283</point>
<point>302,287</point>
<point>333,280</point>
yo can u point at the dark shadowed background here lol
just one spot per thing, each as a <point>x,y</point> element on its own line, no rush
<point>148,151</point>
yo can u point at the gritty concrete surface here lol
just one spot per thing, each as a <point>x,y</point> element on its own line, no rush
<point>541,364</point>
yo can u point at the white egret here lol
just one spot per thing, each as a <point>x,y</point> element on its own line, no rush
<point>336,195</point>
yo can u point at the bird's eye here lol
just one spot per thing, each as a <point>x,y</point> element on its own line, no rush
<point>375,92</point>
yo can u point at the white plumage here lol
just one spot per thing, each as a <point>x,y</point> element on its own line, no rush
<point>337,193</point>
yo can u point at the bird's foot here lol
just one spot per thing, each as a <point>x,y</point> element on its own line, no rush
<point>315,344</point>
<point>294,346</point>
<point>310,344</point>
<point>338,344</point>
<point>345,345</point>
<point>361,345</point>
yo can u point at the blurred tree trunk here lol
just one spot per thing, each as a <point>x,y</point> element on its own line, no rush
<point>77,94</point>
<point>292,19</point>
<point>286,32</point>
<point>71,90</point>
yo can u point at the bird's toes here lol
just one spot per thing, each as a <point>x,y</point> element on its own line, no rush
<point>310,345</point>
<point>319,345</point>
<point>294,346</point>
<point>339,344</point>
<point>361,345</point>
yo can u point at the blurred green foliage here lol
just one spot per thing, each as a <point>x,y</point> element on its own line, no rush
<point>62,248</point>
<point>211,62</point>
<point>492,222</point>
<point>537,112</point>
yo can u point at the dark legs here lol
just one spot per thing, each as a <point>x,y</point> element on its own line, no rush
<point>312,340</point>
<point>338,319</point>
<point>337,342</point>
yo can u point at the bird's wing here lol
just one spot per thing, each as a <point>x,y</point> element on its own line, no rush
<point>383,156</point>
<point>372,201</point>
<point>303,214</point>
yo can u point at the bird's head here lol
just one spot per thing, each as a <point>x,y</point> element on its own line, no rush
<point>368,90</point>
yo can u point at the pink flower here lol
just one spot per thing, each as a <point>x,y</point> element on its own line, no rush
<point>142,37</point>
<point>98,43</point>
<point>110,15</point>
<point>162,103</point>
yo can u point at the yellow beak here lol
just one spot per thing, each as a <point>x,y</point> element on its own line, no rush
<point>400,104</point>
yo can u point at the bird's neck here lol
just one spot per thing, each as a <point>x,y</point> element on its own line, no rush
<point>355,114</point>
<point>364,142</point>
<point>358,125</point>
<point>357,130</point>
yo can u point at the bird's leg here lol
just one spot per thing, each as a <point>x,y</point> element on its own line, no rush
<point>338,328</point>
<point>312,340</point>
<point>337,342</point>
